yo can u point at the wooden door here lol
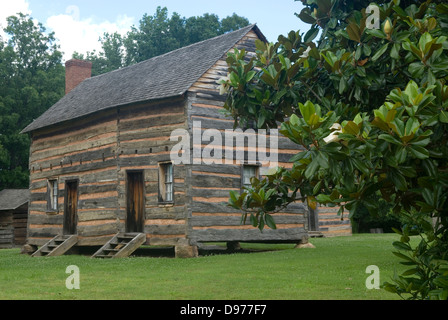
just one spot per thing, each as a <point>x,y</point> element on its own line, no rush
<point>313,220</point>
<point>135,202</point>
<point>71,208</point>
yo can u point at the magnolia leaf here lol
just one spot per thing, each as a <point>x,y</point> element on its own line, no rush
<point>401,246</point>
<point>270,221</point>
<point>307,110</point>
<point>311,169</point>
<point>443,117</point>
<point>389,138</point>
<point>351,128</point>
<point>305,16</point>
<point>419,152</point>
<point>380,52</point>
<point>354,32</point>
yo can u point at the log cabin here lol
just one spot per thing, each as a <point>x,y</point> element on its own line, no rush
<point>101,162</point>
<point>13,217</point>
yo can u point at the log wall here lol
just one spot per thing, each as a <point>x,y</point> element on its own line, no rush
<point>6,230</point>
<point>86,151</point>
<point>211,219</point>
<point>98,151</point>
<point>144,142</point>
<point>331,224</point>
<point>19,222</point>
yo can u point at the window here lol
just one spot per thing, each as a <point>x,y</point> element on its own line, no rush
<point>248,173</point>
<point>166,182</point>
<point>52,195</point>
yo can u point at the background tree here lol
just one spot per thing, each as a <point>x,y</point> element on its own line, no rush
<point>369,107</point>
<point>32,79</point>
<point>110,58</point>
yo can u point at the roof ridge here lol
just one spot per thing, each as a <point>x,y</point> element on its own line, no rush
<point>248,27</point>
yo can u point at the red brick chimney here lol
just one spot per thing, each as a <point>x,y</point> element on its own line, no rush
<point>76,71</point>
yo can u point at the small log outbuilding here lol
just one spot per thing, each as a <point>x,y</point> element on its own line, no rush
<point>101,164</point>
<point>13,217</point>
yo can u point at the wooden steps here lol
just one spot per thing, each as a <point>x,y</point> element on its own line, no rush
<point>121,245</point>
<point>57,246</point>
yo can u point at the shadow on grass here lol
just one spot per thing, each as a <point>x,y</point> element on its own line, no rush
<point>203,250</point>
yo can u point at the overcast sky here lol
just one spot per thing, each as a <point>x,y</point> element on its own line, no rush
<point>78,24</point>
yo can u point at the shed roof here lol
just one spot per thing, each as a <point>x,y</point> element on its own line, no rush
<point>168,75</point>
<point>11,199</point>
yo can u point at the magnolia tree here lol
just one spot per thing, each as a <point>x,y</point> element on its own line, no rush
<point>367,102</point>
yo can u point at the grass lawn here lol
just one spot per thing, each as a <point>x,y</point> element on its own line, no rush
<point>334,270</point>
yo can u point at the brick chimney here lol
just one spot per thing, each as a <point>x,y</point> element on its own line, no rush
<point>76,71</point>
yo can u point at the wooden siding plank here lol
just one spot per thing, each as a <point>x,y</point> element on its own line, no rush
<point>250,235</point>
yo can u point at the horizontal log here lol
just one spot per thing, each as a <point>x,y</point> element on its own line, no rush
<point>208,192</point>
<point>44,232</point>
<point>86,189</point>
<point>210,207</point>
<point>140,160</point>
<point>77,170</point>
<point>248,46</point>
<point>41,196</point>
<point>173,212</point>
<point>40,219</point>
<point>80,126</point>
<point>20,225</point>
<point>94,241</point>
<point>208,95</point>
<point>165,229</point>
<point>38,241</point>
<point>334,223</point>
<point>251,235</point>
<point>76,137</point>
<point>195,98</point>
<point>6,219</point>
<point>171,241</point>
<point>150,134</point>
<point>101,203</point>
<point>97,215</point>
<point>98,176</point>
<point>200,85</point>
<point>179,199</point>
<point>152,188</point>
<point>71,150</point>
<point>220,220</point>
<point>153,123</point>
<point>41,208</point>
<point>140,140</point>
<point>208,181</point>
<point>98,230</point>
<point>145,148</point>
<point>18,232</point>
<point>217,169</point>
<point>21,215</point>
<point>68,160</point>
<point>210,112</point>
<point>152,108</point>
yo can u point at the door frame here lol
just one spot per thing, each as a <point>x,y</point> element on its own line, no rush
<point>138,223</point>
<point>70,223</point>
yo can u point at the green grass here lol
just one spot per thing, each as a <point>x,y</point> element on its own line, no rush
<point>334,270</point>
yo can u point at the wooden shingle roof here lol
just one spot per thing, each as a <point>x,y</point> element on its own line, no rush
<point>11,199</point>
<point>168,75</point>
